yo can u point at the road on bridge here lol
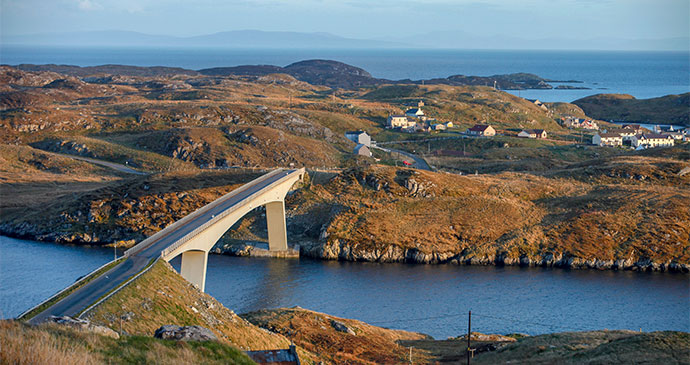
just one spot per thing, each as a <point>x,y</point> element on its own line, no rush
<point>87,295</point>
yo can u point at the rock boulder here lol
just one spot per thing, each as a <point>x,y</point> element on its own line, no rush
<point>186,333</point>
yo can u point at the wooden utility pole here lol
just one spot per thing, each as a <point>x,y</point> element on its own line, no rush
<point>469,334</point>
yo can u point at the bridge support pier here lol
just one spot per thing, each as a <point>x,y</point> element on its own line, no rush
<point>194,267</point>
<point>277,231</point>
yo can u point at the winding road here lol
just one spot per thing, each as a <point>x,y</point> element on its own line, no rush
<point>112,165</point>
<point>420,163</point>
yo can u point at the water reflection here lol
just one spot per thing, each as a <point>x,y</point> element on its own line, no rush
<point>433,299</point>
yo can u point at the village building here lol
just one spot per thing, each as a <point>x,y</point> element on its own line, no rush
<point>572,122</point>
<point>651,140</point>
<point>538,103</point>
<point>679,136</point>
<point>362,150</point>
<point>482,130</point>
<point>359,137</point>
<point>415,113</point>
<point>438,127</point>
<point>607,139</point>
<point>635,127</point>
<point>627,134</point>
<point>533,133</point>
<point>400,121</point>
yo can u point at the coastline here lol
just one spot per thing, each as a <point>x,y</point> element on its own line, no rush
<point>394,254</point>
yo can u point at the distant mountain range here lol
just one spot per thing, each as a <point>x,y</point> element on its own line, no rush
<point>265,39</point>
<point>231,39</point>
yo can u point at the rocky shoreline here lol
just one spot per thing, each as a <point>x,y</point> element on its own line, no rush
<point>344,251</point>
<point>347,252</point>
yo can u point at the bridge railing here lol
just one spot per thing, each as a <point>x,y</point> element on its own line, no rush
<point>156,236</point>
<point>170,249</point>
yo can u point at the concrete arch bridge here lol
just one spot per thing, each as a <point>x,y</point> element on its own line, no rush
<point>210,222</point>
<point>192,237</point>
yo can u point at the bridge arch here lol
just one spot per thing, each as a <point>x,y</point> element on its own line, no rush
<point>194,247</point>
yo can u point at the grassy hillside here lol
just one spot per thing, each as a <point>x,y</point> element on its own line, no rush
<point>669,109</point>
<point>591,347</point>
<point>55,344</point>
<point>597,347</point>
<point>178,122</point>
<point>161,297</point>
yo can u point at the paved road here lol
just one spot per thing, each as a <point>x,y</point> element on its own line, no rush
<point>112,165</point>
<point>97,288</point>
<point>420,163</point>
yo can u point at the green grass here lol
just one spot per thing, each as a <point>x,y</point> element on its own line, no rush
<point>73,288</point>
<point>135,350</point>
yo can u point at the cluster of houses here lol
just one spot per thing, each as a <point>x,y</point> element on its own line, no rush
<point>485,130</point>
<point>414,120</point>
<point>638,137</point>
<point>572,122</point>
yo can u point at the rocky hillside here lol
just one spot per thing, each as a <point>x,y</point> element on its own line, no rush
<point>669,109</point>
<point>338,340</point>
<point>125,211</point>
<point>614,216</point>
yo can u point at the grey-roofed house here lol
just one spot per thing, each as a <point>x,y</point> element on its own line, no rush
<point>359,137</point>
<point>362,150</point>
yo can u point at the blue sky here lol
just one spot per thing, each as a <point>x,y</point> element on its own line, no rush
<point>530,19</point>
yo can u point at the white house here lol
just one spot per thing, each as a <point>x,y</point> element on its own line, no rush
<point>359,137</point>
<point>482,130</point>
<point>415,113</point>
<point>607,139</point>
<point>626,133</point>
<point>400,121</point>
<point>438,127</point>
<point>532,133</point>
<point>651,140</point>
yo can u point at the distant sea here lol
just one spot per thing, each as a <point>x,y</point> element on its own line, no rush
<point>641,74</point>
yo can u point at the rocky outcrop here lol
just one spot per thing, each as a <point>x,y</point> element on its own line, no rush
<point>84,326</point>
<point>341,327</point>
<point>186,333</point>
<point>353,251</point>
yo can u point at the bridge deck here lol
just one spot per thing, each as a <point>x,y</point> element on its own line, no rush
<point>151,248</point>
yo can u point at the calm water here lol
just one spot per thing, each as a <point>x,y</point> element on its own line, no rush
<point>641,74</point>
<point>429,299</point>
